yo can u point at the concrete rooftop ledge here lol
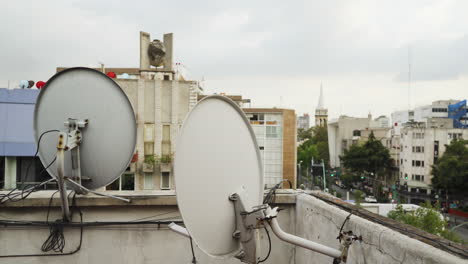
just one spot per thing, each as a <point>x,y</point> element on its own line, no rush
<point>408,230</point>
<point>138,198</point>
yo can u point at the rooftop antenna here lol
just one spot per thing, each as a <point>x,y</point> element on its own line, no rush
<point>96,139</point>
<point>409,78</point>
<point>224,220</point>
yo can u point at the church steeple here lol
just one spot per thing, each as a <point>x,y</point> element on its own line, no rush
<point>321,113</point>
<point>320,102</point>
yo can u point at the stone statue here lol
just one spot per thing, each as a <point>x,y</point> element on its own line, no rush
<point>156,52</point>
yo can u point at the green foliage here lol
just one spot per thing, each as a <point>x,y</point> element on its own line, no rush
<point>166,158</point>
<point>426,218</point>
<point>369,159</point>
<point>150,159</point>
<point>338,195</point>
<point>349,179</point>
<point>304,134</point>
<point>315,146</point>
<point>451,170</point>
<point>358,197</point>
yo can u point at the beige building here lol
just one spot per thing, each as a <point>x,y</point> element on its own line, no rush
<point>161,98</point>
<point>276,132</point>
<point>346,131</point>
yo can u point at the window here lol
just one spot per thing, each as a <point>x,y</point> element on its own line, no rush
<point>257,119</point>
<point>148,183</point>
<point>165,181</point>
<point>148,137</point>
<point>439,110</point>
<point>166,77</point>
<point>272,131</point>
<point>166,140</point>
<point>29,170</point>
<point>356,133</point>
<point>2,172</point>
<point>126,182</point>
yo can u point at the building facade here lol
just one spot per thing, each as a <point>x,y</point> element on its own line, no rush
<point>161,98</point>
<point>303,121</point>
<point>276,133</point>
<point>18,165</point>
<point>422,143</point>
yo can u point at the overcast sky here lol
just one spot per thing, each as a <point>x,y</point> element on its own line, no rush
<point>274,52</point>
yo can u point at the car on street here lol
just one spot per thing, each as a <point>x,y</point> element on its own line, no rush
<point>370,199</point>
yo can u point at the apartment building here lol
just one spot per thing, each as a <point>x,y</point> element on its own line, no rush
<point>276,133</point>
<point>422,143</point>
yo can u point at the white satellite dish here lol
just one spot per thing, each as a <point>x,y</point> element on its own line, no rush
<point>219,182</point>
<point>97,124</point>
<point>216,156</point>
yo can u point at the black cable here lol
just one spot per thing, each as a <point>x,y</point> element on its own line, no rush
<point>48,207</point>
<point>271,195</point>
<point>37,151</point>
<point>57,254</point>
<point>194,259</point>
<point>12,195</point>
<point>269,247</point>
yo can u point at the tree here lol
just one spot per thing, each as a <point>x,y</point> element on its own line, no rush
<point>314,146</point>
<point>426,218</point>
<point>371,159</point>
<point>451,170</point>
<point>304,134</point>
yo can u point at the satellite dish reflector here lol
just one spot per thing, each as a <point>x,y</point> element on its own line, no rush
<point>216,155</point>
<point>30,84</point>
<point>124,76</point>
<point>23,84</point>
<point>107,140</point>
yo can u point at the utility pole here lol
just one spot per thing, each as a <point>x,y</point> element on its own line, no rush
<point>324,177</point>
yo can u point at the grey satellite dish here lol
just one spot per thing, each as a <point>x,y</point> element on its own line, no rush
<point>97,124</point>
<point>219,182</point>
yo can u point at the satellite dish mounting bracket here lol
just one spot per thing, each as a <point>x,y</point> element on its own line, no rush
<point>247,223</point>
<point>70,141</point>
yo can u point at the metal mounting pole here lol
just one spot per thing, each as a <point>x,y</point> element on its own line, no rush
<point>97,193</point>
<point>61,177</point>
<point>247,223</point>
<point>295,240</point>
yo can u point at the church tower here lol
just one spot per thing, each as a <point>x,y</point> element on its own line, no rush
<point>321,113</point>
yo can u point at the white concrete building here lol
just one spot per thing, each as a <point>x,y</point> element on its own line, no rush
<point>437,109</point>
<point>421,145</point>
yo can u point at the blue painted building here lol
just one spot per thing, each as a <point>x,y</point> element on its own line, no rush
<point>17,146</point>
<point>458,112</point>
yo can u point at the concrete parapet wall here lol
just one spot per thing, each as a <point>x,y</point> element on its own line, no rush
<point>320,221</point>
<point>121,244</point>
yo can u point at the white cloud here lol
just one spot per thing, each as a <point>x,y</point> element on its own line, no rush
<point>262,49</point>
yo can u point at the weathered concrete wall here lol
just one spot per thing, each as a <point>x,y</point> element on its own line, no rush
<point>119,244</point>
<point>320,221</point>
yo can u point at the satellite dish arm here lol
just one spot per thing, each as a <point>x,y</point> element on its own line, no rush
<point>298,241</point>
<point>179,229</point>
